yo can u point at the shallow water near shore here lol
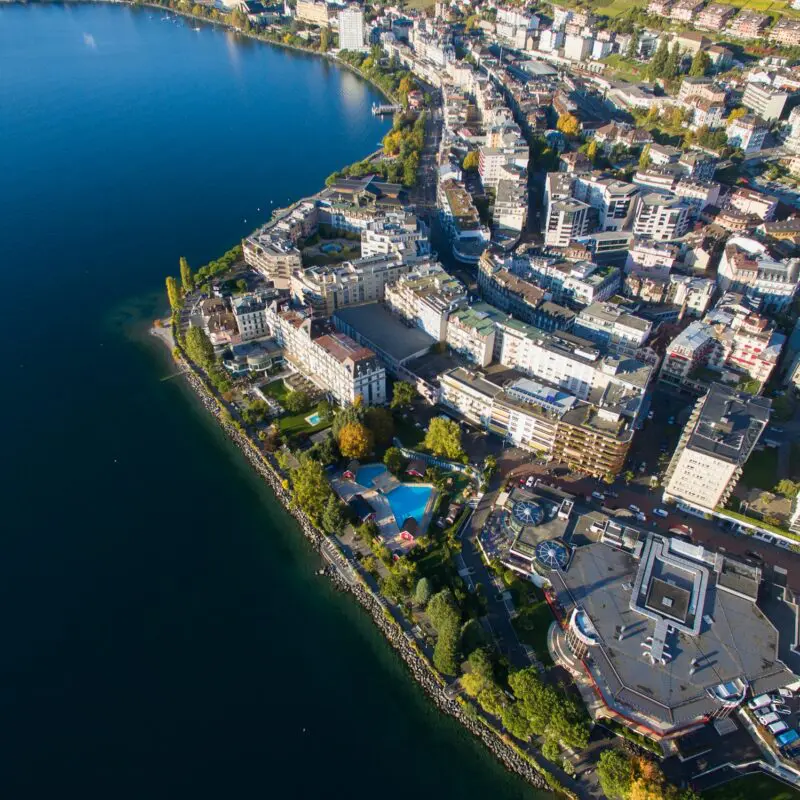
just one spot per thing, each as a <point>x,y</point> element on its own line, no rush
<point>164,633</point>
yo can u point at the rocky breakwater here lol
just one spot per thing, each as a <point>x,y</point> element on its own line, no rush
<point>347,577</point>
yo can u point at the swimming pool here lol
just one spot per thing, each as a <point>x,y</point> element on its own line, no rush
<point>367,474</point>
<point>314,419</point>
<point>409,500</point>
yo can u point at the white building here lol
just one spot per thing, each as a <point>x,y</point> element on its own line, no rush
<point>566,221</point>
<point>577,47</point>
<point>748,133</point>
<point>332,360</point>
<point>719,437</point>
<point>660,216</point>
<point>351,29</point>
<point>765,101</point>
<point>614,329</point>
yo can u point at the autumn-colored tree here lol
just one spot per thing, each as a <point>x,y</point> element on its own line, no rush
<point>173,293</point>
<point>471,161</point>
<point>324,39</point>
<point>187,282</point>
<point>735,114</point>
<point>443,438</point>
<point>355,440</point>
<point>392,142</point>
<point>568,124</point>
<point>644,158</point>
<point>591,151</point>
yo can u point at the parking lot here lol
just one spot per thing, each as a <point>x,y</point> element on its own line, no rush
<point>777,715</point>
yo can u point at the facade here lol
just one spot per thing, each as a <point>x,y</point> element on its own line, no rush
<point>714,17</point>
<point>566,221</point>
<point>613,328</point>
<point>313,12</point>
<point>330,359</point>
<point>719,437</point>
<point>764,100</point>
<point>661,217</point>
<point>749,24</point>
<point>351,29</point>
<point>426,298</point>
<point>760,205</point>
<point>471,332</point>
<point>748,133</point>
<point>748,267</point>
<point>786,32</point>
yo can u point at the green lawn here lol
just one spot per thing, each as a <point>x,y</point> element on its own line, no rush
<point>761,469</point>
<point>533,620</point>
<point>753,787</point>
<point>626,68</point>
<point>292,424</point>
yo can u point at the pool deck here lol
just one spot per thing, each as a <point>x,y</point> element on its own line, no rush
<point>384,517</point>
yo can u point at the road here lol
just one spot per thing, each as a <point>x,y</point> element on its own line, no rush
<point>424,193</point>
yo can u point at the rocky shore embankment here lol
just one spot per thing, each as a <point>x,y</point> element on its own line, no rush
<point>347,578</point>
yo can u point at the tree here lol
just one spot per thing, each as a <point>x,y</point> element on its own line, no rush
<point>787,488</point>
<point>297,402</point>
<point>310,487</point>
<point>537,700</point>
<point>187,282</point>
<point>629,476</point>
<point>615,772</point>
<point>394,460</point>
<point>735,114</point>
<point>701,64</point>
<point>443,438</point>
<point>333,515</point>
<point>591,151</point>
<point>241,285</point>
<point>381,423</point>
<point>471,161</point>
<point>355,440</point>
<point>445,617</point>
<point>403,394</point>
<point>673,65</point>
<point>659,60</point>
<point>550,750</point>
<point>173,293</point>
<point>515,722</point>
<point>324,39</point>
<point>324,409</point>
<point>644,158</point>
<point>489,466</point>
<point>568,124</point>
<point>423,592</point>
<point>633,46</point>
<point>199,347</point>
<point>345,416</point>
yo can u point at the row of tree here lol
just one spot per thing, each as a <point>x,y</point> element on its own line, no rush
<point>626,777</point>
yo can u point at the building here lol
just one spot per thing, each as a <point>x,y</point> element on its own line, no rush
<point>721,433</point>
<point>643,615</point>
<point>686,10</point>
<point>471,332</point>
<point>786,32</point>
<point>351,29</point>
<point>759,205</point>
<point>396,233</point>
<point>661,216</point>
<point>332,360</point>
<point>566,221</point>
<point>612,327</point>
<point>764,100</point>
<point>701,89</point>
<point>748,133</point>
<point>462,222</point>
<point>577,47</point>
<point>748,24</point>
<point>313,12</point>
<point>747,266</point>
<point>426,298</point>
<point>714,17</point>
<point>250,313</point>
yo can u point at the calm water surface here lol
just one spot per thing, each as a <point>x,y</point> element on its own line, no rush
<point>162,633</point>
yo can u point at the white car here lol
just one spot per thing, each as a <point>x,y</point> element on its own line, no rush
<point>768,719</point>
<point>634,509</point>
<point>660,512</point>
<point>784,692</point>
<point>598,496</point>
<point>758,702</point>
<point>777,727</point>
<point>530,481</point>
<point>781,709</point>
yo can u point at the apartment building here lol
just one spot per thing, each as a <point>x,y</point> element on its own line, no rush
<point>325,288</point>
<point>653,258</point>
<point>722,431</point>
<point>748,133</point>
<point>396,233</point>
<point>685,10</point>
<point>332,360</point>
<point>701,89</point>
<point>427,297</point>
<point>510,206</point>
<point>714,17</point>
<point>613,328</point>
<point>493,160</point>
<point>461,221</point>
<point>662,217</point>
<point>273,256</point>
<point>314,12</point>
<point>351,29</point>
<point>697,194</point>
<point>250,313</point>
<point>566,221</point>
<point>765,100</point>
<point>786,32</point>
<point>698,165</point>
<point>471,332</point>
<point>613,200</point>
<point>748,24</point>
<point>749,201</point>
<point>747,266</point>
<point>662,154</point>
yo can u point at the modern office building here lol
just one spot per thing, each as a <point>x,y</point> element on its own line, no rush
<point>351,29</point>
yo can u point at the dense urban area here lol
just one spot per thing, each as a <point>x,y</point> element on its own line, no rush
<point>532,369</point>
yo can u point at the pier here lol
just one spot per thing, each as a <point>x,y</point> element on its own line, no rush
<point>379,109</point>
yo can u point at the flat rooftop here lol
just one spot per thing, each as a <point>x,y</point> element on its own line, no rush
<point>667,593</point>
<point>385,332</point>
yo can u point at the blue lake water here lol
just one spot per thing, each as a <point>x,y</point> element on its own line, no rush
<point>164,632</point>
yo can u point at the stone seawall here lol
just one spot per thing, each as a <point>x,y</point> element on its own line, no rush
<point>337,570</point>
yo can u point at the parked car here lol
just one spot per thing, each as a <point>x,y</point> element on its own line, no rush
<point>777,727</point>
<point>599,496</point>
<point>643,466</point>
<point>641,517</point>
<point>758,702</point>
<point>768,719</point>
<point>784,692</point>
<point>634,509</point>
<point>650,415</point>
<point>671,421</point>
<point>530,481</point>
<point>660,512</point>
<point>781,709</point>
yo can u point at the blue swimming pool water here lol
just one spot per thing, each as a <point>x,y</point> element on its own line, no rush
<point>314,419</point>
<point>368,473</point>
<point>409,500</point>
